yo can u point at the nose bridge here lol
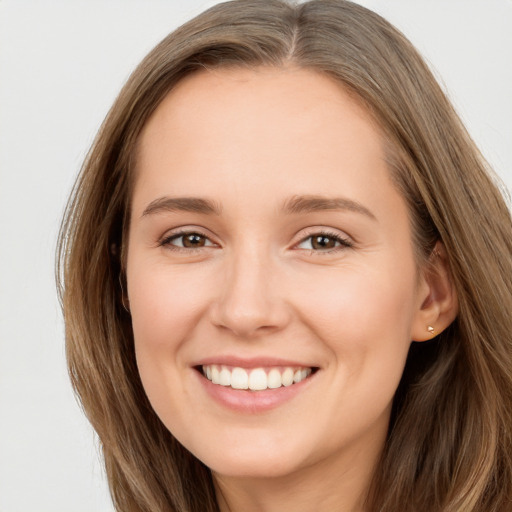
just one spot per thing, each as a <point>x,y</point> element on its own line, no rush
<point>249,302</point>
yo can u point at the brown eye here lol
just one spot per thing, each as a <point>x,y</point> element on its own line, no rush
<point>193,240</point>
<point>323,242</point>
<point>190,240</point>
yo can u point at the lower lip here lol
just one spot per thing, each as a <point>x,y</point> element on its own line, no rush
<point>253,402</point>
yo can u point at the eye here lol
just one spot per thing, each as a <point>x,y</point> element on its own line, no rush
<point>324,242</point>
<point>187,240</point>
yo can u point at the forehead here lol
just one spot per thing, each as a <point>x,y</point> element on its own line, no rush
<point>231,94</point>
<point>253,118</point>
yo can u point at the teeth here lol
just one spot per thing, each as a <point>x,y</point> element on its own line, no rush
<point>256,379</point>
<point>274,379</point>
<point>215,375</point>
<point>225,377</point>
<point>239,379</point>
<point>287,377</point>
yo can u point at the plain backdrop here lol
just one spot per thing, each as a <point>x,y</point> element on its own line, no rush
<point>61,66</point>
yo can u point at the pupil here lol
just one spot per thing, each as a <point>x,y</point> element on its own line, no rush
<point>193,240</point>
<point>323,242</point>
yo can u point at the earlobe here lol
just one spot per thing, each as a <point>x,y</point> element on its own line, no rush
<point>437,297</point>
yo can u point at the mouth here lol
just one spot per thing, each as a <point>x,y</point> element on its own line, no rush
<point>255,379</point>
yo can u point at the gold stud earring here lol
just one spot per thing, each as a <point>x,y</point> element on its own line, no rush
<point>430,329</point>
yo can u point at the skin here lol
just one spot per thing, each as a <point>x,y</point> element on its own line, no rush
<point>250,141</point>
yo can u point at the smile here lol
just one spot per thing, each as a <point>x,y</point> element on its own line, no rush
<point>255,379</point>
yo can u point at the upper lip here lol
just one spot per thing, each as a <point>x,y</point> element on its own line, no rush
<point>251,362</point>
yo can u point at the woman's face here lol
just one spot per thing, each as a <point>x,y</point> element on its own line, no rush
<point>267,242</point>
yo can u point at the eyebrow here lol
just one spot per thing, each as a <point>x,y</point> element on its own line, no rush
<point>307,204</point>
<point>292,206</point>
<point>183,204</point>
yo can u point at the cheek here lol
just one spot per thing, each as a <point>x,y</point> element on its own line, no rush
<point>165,304</point>
<point>349,304</point>
<point>364,317</point>
<point>165,307</point>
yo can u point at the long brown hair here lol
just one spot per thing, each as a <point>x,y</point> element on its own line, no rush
<point>449,447</point>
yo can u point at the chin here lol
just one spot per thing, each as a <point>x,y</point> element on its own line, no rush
<point>254,461</point>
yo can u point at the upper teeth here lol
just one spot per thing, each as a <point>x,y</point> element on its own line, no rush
<point>255,379</point>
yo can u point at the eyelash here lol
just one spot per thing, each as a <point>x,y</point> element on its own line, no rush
<point>166,242</point>
<point>344,243</point>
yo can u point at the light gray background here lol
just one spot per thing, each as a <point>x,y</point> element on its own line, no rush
<point>61,65</point>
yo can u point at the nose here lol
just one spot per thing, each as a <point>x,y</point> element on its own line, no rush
<point>251,299</point>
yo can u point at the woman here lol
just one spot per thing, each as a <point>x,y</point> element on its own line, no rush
<point>279,202</point>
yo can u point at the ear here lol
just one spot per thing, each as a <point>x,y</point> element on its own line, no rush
<point>437,298</point>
